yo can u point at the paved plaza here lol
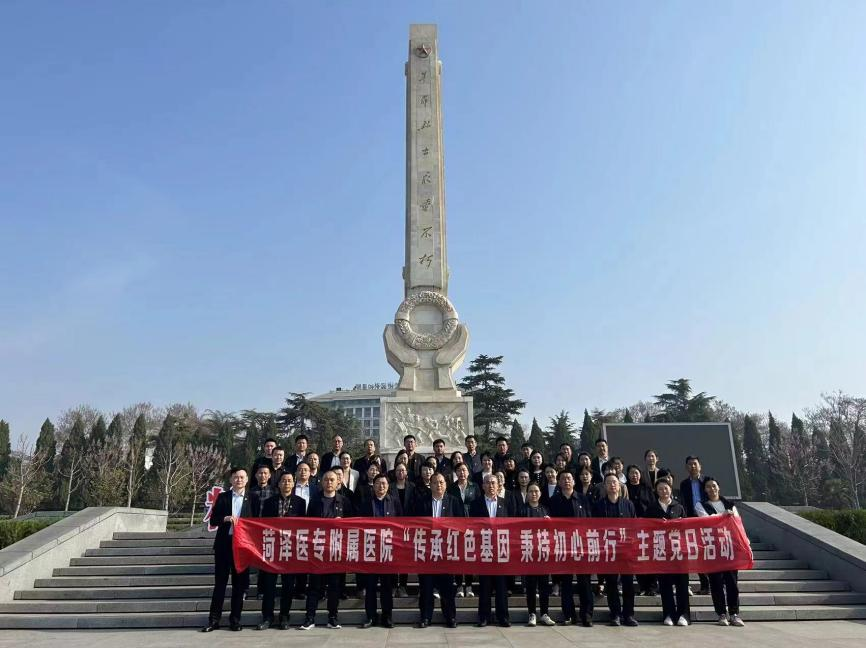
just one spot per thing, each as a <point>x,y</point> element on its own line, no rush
<point>827,634</point>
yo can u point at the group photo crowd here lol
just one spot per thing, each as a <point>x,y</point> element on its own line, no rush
<point>504,483</point>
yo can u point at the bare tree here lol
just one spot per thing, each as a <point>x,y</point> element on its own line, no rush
<point>132,461</point>
<point>172,471</point>
<point>22,483</point>
<point>843,419</point>
<point>104,474</point>
<point>86,414</point>
<point>206,464</point>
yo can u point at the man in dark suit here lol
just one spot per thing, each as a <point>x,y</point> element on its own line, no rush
<point>266,459</point>
<point>491,506</point>
<point>300,455</point>
<point>443,463</point>
<point>414,459</point>
<point>599,461</point>
<point>283,504</point>
<point>363,463</point>
<point>613,505</point>
<point>229,506</point>
<point>692,492</point>
<point>332,459</point>
<point>330,504</point>
<point>381,505</point>
<point>568,503</point>
<point>438,503</point>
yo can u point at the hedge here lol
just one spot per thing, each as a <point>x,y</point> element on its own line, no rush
<point>11,531</point>
<point>850,523</point>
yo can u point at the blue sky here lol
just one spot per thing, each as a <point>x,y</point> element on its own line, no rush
<point>204,201</point>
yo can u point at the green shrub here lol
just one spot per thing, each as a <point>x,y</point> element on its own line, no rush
<point>11,531</point>
<point>850,523</point>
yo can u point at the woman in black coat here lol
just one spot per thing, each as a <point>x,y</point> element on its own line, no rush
<point>674,609</point>
<point>533,508</point>
<point>642,497</point>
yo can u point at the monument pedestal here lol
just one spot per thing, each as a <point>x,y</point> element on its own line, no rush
<point>426,415</point>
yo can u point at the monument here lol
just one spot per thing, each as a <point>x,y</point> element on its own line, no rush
<point>427,341</point>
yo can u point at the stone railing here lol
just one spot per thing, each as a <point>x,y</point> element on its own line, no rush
<point>37,555</point>
<point>842,558</point>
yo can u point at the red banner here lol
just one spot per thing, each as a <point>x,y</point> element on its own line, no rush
<point>422,545</point>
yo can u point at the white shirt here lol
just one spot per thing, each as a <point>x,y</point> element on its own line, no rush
<point>237,505</point>
<point>303,492</point>
<point>491,506</point>
<point>437,507</point>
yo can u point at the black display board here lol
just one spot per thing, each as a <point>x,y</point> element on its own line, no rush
<point>673,442</point>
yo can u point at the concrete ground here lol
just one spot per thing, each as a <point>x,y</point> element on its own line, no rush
<point>826,634</point>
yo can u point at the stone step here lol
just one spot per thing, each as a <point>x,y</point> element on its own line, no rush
<point>516,603</point>
<point>151,551</point>
<point>164,542</point>
<point>134,570</point>
<point>204,590</point>
<point>407,616</point>
<point>161,535</point>
<point>107,561</point>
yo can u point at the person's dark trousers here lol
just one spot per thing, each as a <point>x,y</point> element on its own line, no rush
<point>724,588</point>
<point>268,587</point>
<point>445,584</point>
<point>315,590</point>
<point>488,583</point>
<point>301,586</point>
<point>402,580</point>
<point>542,586</point>
<point>584,594</point>
<point>624,608</point>
<point>648,583</point>
<point>679,606</point>
<point>704,581</point>
<point>464,580</point>
<point>224,566</point>
<point>386,583</point>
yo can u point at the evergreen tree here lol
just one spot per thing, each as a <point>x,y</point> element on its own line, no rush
<point>493,403</point>
<point>627,418</point>
<point>647,418</point>
<point>98,432</point>
<point>133,464</point>
<point>115,430</point>
<point>561,431</point>
<point>70,466</point>
<point>222,428</point>
<point>678,405</point>
<point>756,458</point>
<point>536,438</point>
<point>779,473</point>
<point>588,434</point>
<point>517,437</point>
<point>46,445</point>
<point>5,448</point>
<point>739,458</point>
<point>166,476</point>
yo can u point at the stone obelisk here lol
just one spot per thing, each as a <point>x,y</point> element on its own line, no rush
<point>426,342</point>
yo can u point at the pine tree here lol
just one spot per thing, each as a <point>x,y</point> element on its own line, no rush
<point>46,445</point>
<point>756,458</point>
<point>493,403</point>
<point>678,405</point>
<point>70,466</point>
<point>98,432</point>
<point>627,418</point>
<point>134,459</point>
<point>536,438</point>
<point>517,437</point>
<point>588,434</point>
<point>779,473</point>
<point>115,430</point>
<point>561,431</point>
<point>5,448</point>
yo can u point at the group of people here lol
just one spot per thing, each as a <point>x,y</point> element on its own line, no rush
<point>464,484</point>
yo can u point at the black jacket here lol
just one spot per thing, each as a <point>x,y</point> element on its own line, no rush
<point>221,509</point>
<point>342,507</point>
<point>478,508</point>
<point>686,496</point>
<point>451,506</point>
<point>407,500</point>
<point>675,511</point>
<point>470,494</point>
<point>574,506</point>
<point>641,496</point>
<point>539,511</point>
<point>392,507</point>
<point>297,507</point>
<point>623,508</point>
